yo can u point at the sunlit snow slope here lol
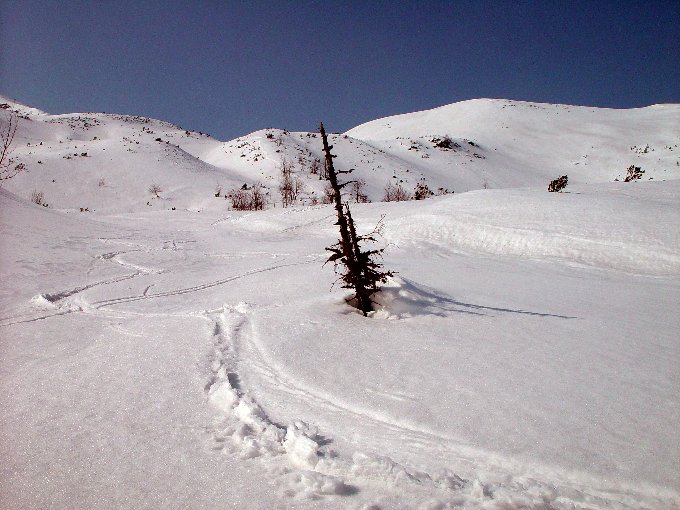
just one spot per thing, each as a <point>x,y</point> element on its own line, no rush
<point>525,355</point>
<point>527,144</point>
<point>104,162</point>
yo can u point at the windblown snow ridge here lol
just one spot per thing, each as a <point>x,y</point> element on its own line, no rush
<point>591,227</point>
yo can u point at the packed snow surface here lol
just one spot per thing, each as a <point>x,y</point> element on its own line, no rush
<point>525,354</point>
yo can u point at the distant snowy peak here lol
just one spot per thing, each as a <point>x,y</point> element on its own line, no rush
<point>516,143</point>
<point>483,115</point>
<point>8,104</point>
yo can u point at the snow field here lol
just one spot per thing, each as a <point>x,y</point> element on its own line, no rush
<point>545,393</point>
<point>584,226</point>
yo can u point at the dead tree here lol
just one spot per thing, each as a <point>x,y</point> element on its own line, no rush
<point>315,167</point>
<point>290,184</point>
<point>359,269</point>
<point>8,168</point>
<point>357,192</point>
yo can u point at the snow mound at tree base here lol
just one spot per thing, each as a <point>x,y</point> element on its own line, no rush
<point>402,299</point>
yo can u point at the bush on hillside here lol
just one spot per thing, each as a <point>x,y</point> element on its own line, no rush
<point>445,142</point>
<point>422,191</point>
<point>396,193</point>
<point>357,191</point>
<point>247,199</point>
<point>328,194</point>
<point>633,173</point>
<point>155,189</point>
<point>290,185</point>
<point>558,184</point>
<point>38,198</point>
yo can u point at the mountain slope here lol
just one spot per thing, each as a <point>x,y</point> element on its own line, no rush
<point>113,159</point>
<point>528,144</point>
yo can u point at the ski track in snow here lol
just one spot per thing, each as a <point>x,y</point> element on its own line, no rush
<point>312,468</point>
<point>187,290</point>
<point>59,301</point>
<point>305,463</point>
<point>296,454</point>
<point>302,460</point>
<point>244,429</point>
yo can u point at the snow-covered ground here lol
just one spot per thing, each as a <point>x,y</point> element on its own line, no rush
<point>524,356</point>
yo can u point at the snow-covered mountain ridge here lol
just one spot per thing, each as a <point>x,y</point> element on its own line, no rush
<point>460,147</point>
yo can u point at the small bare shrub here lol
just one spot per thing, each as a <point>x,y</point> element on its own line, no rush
<point>328,194</point>
<point>240,199</point>
<point>357,191</point>
<point>248,199</point>
<point>37,197</point>
<point>422,191</point>
<point>155,189</point>
<point>315,167</point>
<point>257,197</point>
<point>395,193</point>
<point>633,173</point>
<point>290,184</point>
<point>558,184</point>
<point>101,182</point>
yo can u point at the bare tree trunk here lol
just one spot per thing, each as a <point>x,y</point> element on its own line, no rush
<point>349,248</point>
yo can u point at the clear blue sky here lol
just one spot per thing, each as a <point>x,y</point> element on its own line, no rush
<point>230,68</point>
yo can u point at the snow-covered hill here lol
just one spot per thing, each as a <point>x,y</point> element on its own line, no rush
<point>528,144</point>
<point>525,355</point>
<point>107,163</point>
